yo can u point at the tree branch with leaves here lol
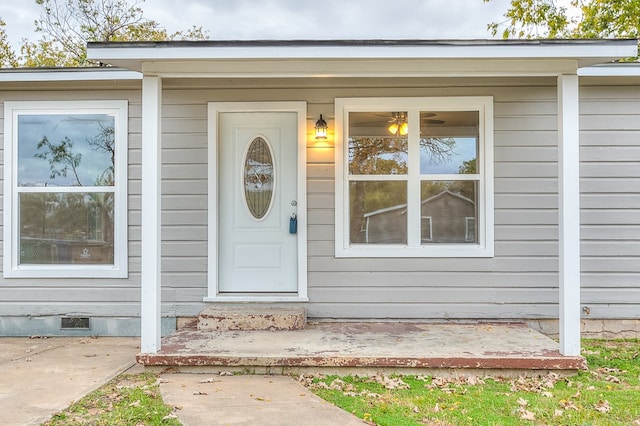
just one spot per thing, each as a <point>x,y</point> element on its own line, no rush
<point>65,27</point>
<point>582,19</point>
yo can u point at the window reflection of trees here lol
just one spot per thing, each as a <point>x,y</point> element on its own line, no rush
<point>385,156</point>
<point>50,221</point>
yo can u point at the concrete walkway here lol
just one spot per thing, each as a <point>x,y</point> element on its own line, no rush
<point>41,376</point>
<point>248,400</point>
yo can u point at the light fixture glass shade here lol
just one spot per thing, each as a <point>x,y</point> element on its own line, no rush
<point>321,128</point>
<point>399,125</point>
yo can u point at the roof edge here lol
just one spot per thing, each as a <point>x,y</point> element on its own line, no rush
<point>357,43</point>
<point>67,74</point>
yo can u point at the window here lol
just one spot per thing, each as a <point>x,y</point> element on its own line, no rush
<point>414,177</point>
<point>65,180</point>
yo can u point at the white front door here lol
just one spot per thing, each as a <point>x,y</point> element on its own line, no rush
<point>257,188</point>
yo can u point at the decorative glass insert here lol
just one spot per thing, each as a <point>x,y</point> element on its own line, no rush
<point>259,177</point>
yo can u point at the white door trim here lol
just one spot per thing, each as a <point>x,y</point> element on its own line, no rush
<point>214,111</point>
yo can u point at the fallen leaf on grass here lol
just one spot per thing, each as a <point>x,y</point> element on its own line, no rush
<point>558,413</point>
<point>568,405</point>
<point>602,406</point>
<point>524,413</point>
<point>527,415</point>
<point>547,394</point>
<point>170,416</point>
<point>612,379</point>
<point>135,404</point>
<point>390,383</point>
<point>452,385</point>
<point>534,384</point>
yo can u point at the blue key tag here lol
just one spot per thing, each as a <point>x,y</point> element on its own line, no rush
<point>293,224</point>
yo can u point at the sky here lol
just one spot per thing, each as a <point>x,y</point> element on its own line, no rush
<point>299,19</point>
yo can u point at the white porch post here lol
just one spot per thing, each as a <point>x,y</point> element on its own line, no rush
<point>150,309</point>
<point>569,213</point>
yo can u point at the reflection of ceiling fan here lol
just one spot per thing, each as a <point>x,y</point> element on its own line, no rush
<point>398,121</point>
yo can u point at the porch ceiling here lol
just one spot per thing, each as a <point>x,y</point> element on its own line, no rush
<point>360,58</point>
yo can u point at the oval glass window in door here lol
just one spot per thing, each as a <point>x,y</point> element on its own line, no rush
<point>259,177</point>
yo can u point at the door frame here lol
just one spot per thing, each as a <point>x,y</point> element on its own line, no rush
<point>214,109</point>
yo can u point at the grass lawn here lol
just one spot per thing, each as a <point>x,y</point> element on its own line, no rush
<point>129,399</point>
<point>607,394</point>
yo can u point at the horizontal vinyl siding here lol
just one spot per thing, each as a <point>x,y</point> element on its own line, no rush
<point>81,296</point>
<point>520,281</point>
<point>184,201</point>
<point>610,200</point>
<point>523,270</point>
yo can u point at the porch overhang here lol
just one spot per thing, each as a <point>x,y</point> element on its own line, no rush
<point>359,58</point>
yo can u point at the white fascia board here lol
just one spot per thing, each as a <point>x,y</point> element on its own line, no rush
<point>631,69</point>
<point>68,75</point>
<point>600,51</point>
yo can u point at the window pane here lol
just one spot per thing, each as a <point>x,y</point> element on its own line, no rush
<point>452,209</point>
<point>258,178</point>
<point>66,149</point>
<point>449,142</point>
<point>378,212</point>
<point>378,143</point>
<point>66,228</point>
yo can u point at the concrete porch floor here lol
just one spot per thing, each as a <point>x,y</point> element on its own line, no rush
<point>504,349</point>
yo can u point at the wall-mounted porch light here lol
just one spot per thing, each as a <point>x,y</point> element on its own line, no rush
<point>321,129</point>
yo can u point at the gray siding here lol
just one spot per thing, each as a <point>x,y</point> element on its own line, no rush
<point>610,200</point>
<point>33,297</point>
<point>519,282</point>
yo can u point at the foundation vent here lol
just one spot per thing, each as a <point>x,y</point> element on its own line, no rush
<point>74,322</point>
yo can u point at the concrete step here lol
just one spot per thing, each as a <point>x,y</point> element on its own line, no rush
<point>255,318</point>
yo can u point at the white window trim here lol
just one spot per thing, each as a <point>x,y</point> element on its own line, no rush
<point>430,227</point>
<point>485,224</point>
<point>11,268</point>
<point>467,236</point>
